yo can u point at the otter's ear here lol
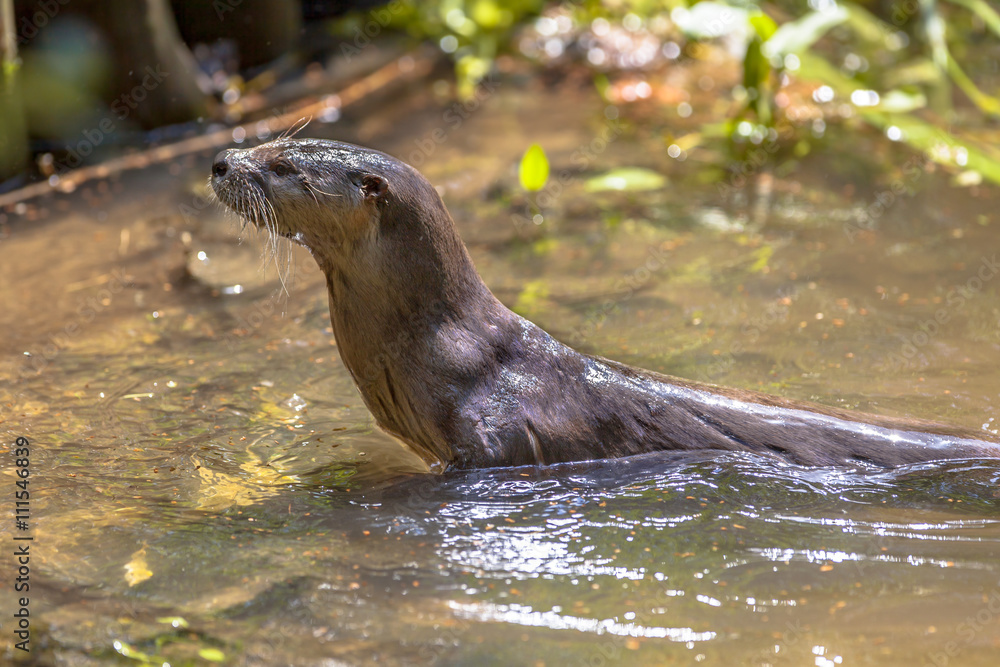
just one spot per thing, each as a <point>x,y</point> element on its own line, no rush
<point>373,187</point>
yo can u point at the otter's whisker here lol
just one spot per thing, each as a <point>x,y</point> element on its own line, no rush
<point>296,127</point>
<point>258,209</point>
<point>272,221</point>
<point>312,194</point>
<point>313,188</point>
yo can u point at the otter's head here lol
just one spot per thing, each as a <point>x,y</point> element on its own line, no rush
<point>322,194</point>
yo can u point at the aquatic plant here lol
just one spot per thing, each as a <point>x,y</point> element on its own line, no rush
<point>472,32</point>
<point>892,66</point>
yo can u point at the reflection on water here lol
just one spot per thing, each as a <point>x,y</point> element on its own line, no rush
<point>207,477</point>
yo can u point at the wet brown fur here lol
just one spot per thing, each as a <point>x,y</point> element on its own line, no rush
<point>450,371</point>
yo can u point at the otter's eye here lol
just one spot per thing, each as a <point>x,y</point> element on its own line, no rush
<point>282,169</point>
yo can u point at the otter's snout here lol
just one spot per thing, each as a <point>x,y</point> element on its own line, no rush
<point>221,165</point>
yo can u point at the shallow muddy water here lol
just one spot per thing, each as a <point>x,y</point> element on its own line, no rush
<point>207,483</point>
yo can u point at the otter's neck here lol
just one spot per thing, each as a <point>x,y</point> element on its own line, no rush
<point>415,324</point>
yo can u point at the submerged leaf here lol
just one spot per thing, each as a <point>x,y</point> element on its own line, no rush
<point>137,570</point>
<point>532,298</point>
<point>212,654</point>
<point>129,651</point>
<point>761,257</point>
<point>626,178</point>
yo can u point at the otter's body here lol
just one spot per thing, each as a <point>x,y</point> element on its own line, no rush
<point>449,370</point>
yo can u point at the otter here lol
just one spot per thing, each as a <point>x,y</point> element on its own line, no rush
<point>465,382</point>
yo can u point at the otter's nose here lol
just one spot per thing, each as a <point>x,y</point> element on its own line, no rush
<point>221,165</point>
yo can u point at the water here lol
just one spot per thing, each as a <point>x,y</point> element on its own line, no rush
<point>205,478</point>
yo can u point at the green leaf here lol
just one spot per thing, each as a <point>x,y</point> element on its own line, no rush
<point>761,257</point>
<point>934,31</point>
<point>986,103</point>
<point>128,651</point>
<point>212,654</point>
<point>938,144</point>
<point>626,178</point>
<point>487,14</point>
<point>603,85</point>
<point>797,36</point>
<point>534,170</point>
<point>764,25</point>
<point>756,69</point>
<point>756,77</point>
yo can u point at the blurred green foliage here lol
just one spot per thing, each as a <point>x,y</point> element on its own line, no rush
<point>891,65</point>
<point>473,32</point>
<point>895,61</point>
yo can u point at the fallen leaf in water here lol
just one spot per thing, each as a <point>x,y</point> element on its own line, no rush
<point>137,570</point>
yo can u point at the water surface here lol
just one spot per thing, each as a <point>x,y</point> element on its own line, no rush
<point>206,478</point>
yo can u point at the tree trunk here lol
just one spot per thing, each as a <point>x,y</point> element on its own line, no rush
<point>150,56</point>
<point>262,29</point>
<point>13,134</point>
